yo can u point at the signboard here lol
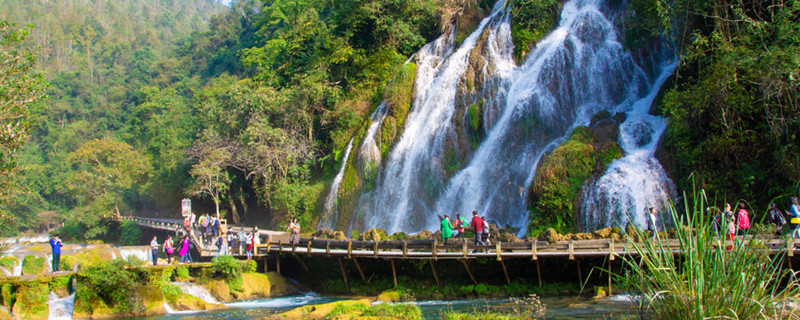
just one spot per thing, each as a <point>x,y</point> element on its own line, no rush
<point>186,207</point>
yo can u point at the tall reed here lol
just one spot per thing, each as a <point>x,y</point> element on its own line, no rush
<point>704,280</point>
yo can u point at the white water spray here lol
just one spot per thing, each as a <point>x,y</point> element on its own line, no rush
<point>331,213</point>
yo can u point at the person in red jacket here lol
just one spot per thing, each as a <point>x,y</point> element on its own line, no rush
<point>477,226</point>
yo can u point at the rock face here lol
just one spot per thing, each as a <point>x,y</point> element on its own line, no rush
<point>554,195</point>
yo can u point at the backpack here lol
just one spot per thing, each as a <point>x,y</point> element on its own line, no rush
<point>777,217</point>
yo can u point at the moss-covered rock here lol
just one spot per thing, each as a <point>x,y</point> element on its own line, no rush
<point>188,302</point>
<point>9,262</point>
<point>218,289</point>
<point>67,263</point>
<point>320,311</point>
<point>375,234</point>
<point>530,22</point>
<point>31,301</point>
<point>4,315</point>
<point>33,265</point>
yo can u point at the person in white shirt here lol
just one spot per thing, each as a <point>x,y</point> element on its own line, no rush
<point>154,250</point>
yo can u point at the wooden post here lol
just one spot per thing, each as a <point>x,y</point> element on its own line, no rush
<point>497,250</point>
<point>539,272</point>
<point>278,263</point>
<point>505,271</point>
<point>405,248</point>
<point>294,247</point>
<point>611,250</point>
<point>464,247</point>
<point>580,276</point>
<point>344,275</point>
<point>308,249</point>
<point>394,272</point>
<point>327,248</point>
<point>609,277</point>
<point>266,264</point>
<point>466,266</point>
<point>376,249</point>
<point>433,248</point>
<point>571,256</point>
<point>349,248</point>
<point>280,246</point>
<point>302,264</point>
<point>534,251</point>
<point>359,271</point>
<point>435,276</point>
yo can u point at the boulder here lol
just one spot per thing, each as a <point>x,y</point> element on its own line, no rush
<point>582,236</point>
<point>339,235</point>
<point>319,311</point>
<point>31,301</point>
<point>604,233</point>
<point>425,234</point>
<point>189,302</point>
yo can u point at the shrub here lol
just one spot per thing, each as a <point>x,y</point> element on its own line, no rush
<point>33,265</point>
<point>113,282</point>
<point>249,266</point>
<point>130,233</point>
<point>8,262</point>
<point>228,266</point>
<point>181,272</point>
<point>708,282</point>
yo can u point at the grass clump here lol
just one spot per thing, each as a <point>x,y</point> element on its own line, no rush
<point>8,262</point>
<point>378,311</point>
<point>33,265</point>
<point>531,20</point>
<point>707,281</point>
<point>529,307</point>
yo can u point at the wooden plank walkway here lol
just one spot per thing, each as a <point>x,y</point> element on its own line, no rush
<point>432,249</point>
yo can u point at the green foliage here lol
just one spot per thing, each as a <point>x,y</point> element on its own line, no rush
<point>378,311</point>
<point>130,233</point>
<point>171,292</point>
<point>181,272</point>
<point>475,111</point>
<point>227,266</point>
<point>32,265</point>
<point>113,282</point>
<point>708,282</point>
<point>531,20</point>
<point>521,308</point>
<point>8,262</point>
<point>250,266</point>
<point>732,103</point>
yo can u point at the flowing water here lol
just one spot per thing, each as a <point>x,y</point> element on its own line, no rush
<point>330,212</point>
<point>577,70</point>
<point>556,307</point>
<point>196,291</point>
<point>60,308</point>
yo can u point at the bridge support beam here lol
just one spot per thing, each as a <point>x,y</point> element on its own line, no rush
<point>363,278</point>
<point>466,266</point>
<point>505,271</point>
<point>580,276</point>
<point>435,275</point>
<point>344,275</point>
<point>394,272</point>
<point>278,263</point>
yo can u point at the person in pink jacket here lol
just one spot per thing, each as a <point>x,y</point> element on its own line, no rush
<point>742,220</point>
<point>184,252</point>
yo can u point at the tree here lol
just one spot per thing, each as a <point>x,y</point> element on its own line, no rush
<point>103,169</point>
<point>19,88</point>
<point>211,179</point>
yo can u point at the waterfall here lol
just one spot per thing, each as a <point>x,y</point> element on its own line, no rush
<point>578,69</point>
<point>369,153</point>
<point>60,308</point>
<point>330,212</point>
<point>196,291</point>
<point>140,252</point>
<point>636,181</point>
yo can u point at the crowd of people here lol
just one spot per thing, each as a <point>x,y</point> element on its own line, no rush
<point>457,229</point>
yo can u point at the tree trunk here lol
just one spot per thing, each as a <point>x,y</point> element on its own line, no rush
<point>234,212</point>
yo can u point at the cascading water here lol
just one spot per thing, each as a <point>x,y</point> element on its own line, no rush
<point>196,291</point>
<point>580,68</point>
<point>369,153</point>
<point>60,308</point>
<point>330,212</point>
<point>140,252</point>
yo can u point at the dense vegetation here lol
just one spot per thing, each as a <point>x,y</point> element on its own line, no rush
<point>733,103</point>
<point>248,108</point>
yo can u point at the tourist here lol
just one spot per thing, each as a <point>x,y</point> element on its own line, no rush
<point>294,229</point>
<point>230,239</point>
<point>55,245</point>
<point>193,219</point>
<point>477,226</point>
<point>651,225</point>
<point>168,250</point>
<point>486,233</point>
<point>215,226</point>
<point>730,225</point>
<point>184,252</point>
<point>794,212</point>
<point>716,220</point>
<point>742,220</point>
<point>220,244</point>
<point>154,250</point>
<point>256,237</point>
<point>775,217</point>
<point>447,229</point>
<point>242,241</point>
<point>191,248</point>
<point>461,224</point>
<point>249,248</point>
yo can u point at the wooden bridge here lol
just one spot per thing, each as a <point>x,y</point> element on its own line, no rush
<point>277,245</point>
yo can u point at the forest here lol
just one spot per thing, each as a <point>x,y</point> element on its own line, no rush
<point>247,108</point>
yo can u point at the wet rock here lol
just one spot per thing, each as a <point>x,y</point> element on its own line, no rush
<point>582,236</point>
<point>425,234</point>
<point>604,233</point>
<point>375,234</point>
<point>339,235</point>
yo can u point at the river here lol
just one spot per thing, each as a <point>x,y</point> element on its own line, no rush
<point>558,307</point>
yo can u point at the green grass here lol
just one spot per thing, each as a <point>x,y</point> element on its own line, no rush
<point>706,282</point>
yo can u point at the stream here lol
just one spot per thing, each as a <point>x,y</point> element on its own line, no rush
<point>558,307</point>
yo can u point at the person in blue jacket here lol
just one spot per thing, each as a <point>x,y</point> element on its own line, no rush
<point>55,244</point>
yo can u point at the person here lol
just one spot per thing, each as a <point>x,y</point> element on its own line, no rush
<point>485,233</point>
<point>220,244</point>
<point>461,224</point>
<point>742,220</point>
<point>230,243</point>
<point>215,225</point>
<point>294,228</point>
<point>191,248</point>
<point>242,241</point>
<point>154,250</point>
<point>256,237</point>
<point>477,226</point>
<point>715,216</point>
<point>730,226</point>
<point>193,219</point>
<point>55,245</point>
<point>168,250</point>
<point>447,229</point>
<point>651,225</point>
<point>794,213</point>
<point>184,252</point>
<point>249,249</point>
<point>775,217</point>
